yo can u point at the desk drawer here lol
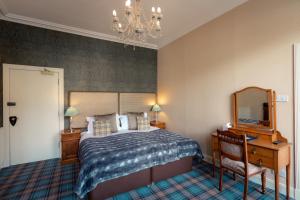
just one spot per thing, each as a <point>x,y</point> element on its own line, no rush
<point>261,161</point>
<point>258,151</point>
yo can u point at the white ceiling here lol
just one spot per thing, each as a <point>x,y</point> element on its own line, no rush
<point>93,17</point>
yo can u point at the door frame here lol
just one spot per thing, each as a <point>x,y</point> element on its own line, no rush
<point>6,125</point>
<point>296,119</point>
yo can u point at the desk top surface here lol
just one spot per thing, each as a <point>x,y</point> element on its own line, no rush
<point>264,143</point>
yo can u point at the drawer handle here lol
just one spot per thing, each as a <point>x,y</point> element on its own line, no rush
<point>259,163</point>
<point>253,151</point>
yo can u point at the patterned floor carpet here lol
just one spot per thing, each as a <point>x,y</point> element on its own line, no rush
<point>50,180</point>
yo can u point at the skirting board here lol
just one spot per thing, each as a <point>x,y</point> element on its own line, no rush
<point>295,193</point>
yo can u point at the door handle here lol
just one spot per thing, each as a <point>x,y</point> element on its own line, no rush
<point>13,120</point>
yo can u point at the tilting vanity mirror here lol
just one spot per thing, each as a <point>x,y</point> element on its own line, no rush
<point>254,108</point>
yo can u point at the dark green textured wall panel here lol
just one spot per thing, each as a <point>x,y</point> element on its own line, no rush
<point>89,64</point>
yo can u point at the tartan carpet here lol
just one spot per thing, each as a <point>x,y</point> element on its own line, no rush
<point>50,180</point>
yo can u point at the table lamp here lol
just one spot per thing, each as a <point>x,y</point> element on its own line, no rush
<point>156,108</point>
<point>71,112</point>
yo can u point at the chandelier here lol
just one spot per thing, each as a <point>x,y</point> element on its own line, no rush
<point>135,27</point>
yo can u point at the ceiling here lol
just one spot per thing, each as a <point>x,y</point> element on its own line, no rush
<point>93,17</point>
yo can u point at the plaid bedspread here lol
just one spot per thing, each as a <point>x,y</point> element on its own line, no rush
<point>111,157</point>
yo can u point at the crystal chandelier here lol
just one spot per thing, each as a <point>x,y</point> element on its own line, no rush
<point>135,27</point>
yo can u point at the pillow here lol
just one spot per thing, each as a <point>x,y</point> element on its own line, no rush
<point>132,119</point>
<point>123,120</point>
<point>90,125</point>
<point>102,128</point>
<point>118,122</point>
<point>143,123</point>
<point>112,118</point>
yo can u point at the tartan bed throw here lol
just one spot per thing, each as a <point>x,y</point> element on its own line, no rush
<point>111,157</point>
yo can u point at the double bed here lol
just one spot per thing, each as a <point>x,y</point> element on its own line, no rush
<point>130,159</point>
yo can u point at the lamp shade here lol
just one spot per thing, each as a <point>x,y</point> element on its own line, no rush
<point>155,108</point>
<point>71,112</point>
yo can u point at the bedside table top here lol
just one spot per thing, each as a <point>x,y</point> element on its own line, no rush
<point>156,122</point>
<point>68,131</point>
<point>67,134</point>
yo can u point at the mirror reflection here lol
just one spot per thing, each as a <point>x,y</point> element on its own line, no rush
<point>253,107</point>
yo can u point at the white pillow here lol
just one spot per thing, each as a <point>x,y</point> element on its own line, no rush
<point>118,122</point>
<point>90,126</point>
<point>124,122</point>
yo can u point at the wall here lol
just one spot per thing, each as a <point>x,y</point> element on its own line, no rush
<point>89,64</point>
<point>251,45</point>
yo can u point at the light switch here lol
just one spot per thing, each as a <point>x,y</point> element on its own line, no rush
<point>282,98</point>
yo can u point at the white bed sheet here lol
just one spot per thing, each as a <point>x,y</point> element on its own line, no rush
<point>85,135</point>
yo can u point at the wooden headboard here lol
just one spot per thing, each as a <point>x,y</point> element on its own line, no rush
<point>97,103</point>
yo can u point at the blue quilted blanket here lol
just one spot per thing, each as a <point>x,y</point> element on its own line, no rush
<point>114,156</point>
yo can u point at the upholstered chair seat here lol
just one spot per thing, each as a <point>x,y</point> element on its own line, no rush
<point>239,167</point>
<point>234,157</point>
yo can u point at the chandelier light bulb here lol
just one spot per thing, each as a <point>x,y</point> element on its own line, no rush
<point>153,9</point>
<point>159,10</point>
<point>128,3</point>
<point>120,25</point>
<point>114,13</point>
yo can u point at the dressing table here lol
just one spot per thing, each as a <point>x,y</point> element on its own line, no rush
<point>254,114</point>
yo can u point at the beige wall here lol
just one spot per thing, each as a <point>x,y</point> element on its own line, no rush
<point>248,46</point>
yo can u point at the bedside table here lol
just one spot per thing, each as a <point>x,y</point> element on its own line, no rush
<point>158,124</point>
<point>70,146</point>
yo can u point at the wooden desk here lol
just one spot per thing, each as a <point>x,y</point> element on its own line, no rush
<point>264,153</point>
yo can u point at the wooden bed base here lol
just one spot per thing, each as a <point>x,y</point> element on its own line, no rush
<point>142,178</point>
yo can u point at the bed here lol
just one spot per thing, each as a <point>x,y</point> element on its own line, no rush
<point>130,159</point>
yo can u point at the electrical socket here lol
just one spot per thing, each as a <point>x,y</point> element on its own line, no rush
<point>282,98</point>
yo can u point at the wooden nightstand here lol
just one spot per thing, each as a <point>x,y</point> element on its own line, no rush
<point>158,124</point>
<point>69,146</point>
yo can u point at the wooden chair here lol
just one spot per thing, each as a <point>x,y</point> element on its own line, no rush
<point>234,157</point>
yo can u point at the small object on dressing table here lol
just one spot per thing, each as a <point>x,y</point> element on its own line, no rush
<point>250,138</point>
<point>277,142</point>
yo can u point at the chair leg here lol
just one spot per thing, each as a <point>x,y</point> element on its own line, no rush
<point>245,188</point>
<point>263,182</point>
<point>221,179</point>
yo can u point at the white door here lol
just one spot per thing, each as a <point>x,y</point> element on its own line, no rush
<point>36,94</point>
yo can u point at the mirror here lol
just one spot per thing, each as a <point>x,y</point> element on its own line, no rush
<point>253,108</point>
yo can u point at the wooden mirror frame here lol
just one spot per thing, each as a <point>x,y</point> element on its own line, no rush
<point>272,111</point>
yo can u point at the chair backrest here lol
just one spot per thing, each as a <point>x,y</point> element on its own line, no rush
<point>233,146</point>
